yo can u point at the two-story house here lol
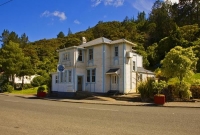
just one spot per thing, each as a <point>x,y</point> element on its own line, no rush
<point>99,66</point>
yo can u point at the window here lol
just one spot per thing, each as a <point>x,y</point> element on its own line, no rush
<point>65,76</point>
<point>116,51</point>
<point>133,65</point>
<point>114,79</point>
<point>88,75</point>
<point>61,76</point>
<point>69,76</point>
<point>66,56</point>
<point>140,77</point>
<point>90,54</point>
<point>80,55</point>
<point>91,75</point>
<point>56,79</point>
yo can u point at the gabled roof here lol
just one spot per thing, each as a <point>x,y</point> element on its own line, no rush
<point>97,41</point>
<point>142,70</point>
<point>103,40</point>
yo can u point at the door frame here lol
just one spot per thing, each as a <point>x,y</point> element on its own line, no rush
<point>116,82</point>
<point>82,85</point>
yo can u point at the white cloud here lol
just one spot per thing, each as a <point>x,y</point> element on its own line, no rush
<point>143,5</point>
<point>76,22</point>
<point>96,2</point>
<point>174,1</point>
<point>115,3</point>
<point>60,15</point>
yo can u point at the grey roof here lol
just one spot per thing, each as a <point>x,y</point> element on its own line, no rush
<point>142,70</point>
<point>112,71</point>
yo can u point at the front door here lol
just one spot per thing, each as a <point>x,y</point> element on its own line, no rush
<point>80,83</point>
<point>114,82</point>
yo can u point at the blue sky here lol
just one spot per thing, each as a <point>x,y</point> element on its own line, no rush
<point>41,19</point>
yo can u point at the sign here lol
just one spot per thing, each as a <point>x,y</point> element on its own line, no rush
<point>61,68</point>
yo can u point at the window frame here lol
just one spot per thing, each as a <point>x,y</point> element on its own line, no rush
<point>91,75</point>
<point>69,76</point>
<point>90,54</point>
<point>116,51</point>
<point>80,55</point>
<point>66,56</point>
<point>134,66</point>
<point>56,79</point>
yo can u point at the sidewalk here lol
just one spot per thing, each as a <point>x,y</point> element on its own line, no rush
<point>110,101</point>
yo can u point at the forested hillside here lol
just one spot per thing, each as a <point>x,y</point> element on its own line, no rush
<point>168,25</point>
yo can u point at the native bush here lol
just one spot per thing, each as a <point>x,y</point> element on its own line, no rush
<point>146,90</point>
<point>38,81</point>
<point>159,86</point>
<point>195,89</point>
<point>182,90</point>
<point>41,89</point>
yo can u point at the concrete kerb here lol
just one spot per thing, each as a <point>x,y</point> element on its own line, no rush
<point>118,103</point>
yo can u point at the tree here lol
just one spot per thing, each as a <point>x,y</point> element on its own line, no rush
<point>69,32</point>
<point>26,69</point>
<point>179,62</point>
<point>23,40</point>
<point>61,35</point>
<point>11,59</point>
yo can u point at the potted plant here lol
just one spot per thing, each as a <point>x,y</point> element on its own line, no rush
<point>159,99</point>
<point>41,92</point>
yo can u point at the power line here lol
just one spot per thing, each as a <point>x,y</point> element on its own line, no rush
<point>5,2</point>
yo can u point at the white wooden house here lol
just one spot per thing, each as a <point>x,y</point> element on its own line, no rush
<point>99,66</point>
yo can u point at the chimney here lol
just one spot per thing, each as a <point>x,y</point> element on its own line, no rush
<point>84,40</point>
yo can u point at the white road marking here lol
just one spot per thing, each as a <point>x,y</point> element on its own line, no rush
<point>99,109</point>
<point>11,101</point>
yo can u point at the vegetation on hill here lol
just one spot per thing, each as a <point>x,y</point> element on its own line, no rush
<point>167,26</point>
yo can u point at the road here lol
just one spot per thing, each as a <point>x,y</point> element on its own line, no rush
<point>21,116</point>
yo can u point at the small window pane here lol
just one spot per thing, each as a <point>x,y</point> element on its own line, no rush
<point>88,75</point>
<point>70,76</point>
<point>90,54</point>
<point>116,51</point>
<point>133,65</point>
<point>80,55</point>
<point>93,75</point>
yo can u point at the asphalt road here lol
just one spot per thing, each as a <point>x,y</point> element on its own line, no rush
<point>21,116</point>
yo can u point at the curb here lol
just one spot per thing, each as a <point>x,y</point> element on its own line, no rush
<point>116,103</point>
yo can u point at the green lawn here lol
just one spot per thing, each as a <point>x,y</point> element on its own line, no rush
<point>27,91</point>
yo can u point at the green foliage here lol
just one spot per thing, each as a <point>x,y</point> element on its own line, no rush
<point>182,90</point>
<point>158,86</point>
<point>27,86</point>
<point>146,90</point>
<point>61,35</point>
<point>41,89</point>
<point>167,26</point>
<point>195,89</point>
<point>11,59</point>
<point>6,87</point>
<point>38,81</point>
<point>179,62</point>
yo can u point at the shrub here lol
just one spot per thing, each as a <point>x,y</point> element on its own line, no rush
<point>38,81</point>
<point>195,89</point>
<point>27,86</point>
<point>182,90</point>
<point>41,89</point>
<point>9,88</point>
<point>146,89</point>
<point>158,86</point>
